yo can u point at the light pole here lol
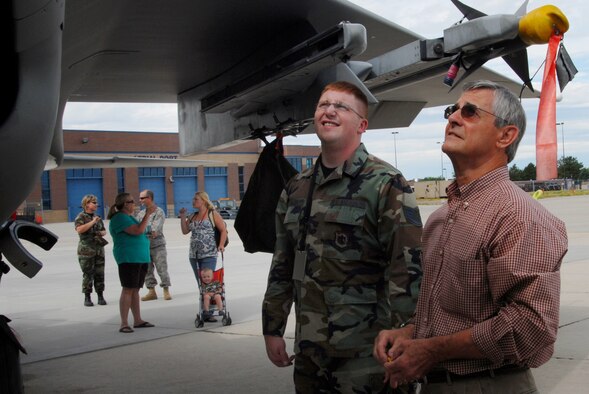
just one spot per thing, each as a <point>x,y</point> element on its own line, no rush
<point>561,124</point>
<point>441,158</point>
<point>394,133</point>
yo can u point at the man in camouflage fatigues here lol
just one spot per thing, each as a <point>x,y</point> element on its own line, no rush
<point>90,228</point>
<point>157,249</point>
<point>358,268</point>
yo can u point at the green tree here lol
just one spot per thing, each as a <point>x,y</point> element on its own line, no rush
<point>432,178</point>
<point>584,174</point>
<point>569,167</point>
<point>529,172</point>
<point>515,174</point>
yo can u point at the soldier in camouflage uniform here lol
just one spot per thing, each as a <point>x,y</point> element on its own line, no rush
<point>157,249</point>
<point>91,229</point>
<point>356,271</point>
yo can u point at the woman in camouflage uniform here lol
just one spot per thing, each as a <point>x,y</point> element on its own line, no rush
<point>91,249</point>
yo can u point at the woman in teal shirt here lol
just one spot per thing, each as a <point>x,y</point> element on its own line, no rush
<point>131,251</point>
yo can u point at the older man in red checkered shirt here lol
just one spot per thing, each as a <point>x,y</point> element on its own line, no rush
<point>489,302</point>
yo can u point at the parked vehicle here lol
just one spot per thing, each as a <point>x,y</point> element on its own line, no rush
<point>227,207</point>
<point>552,186</point>
<point>228,214</point>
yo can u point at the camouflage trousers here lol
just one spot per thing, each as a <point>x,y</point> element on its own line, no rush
<point>318,374</point>
<point>92,273</point>
<point>159,259</point>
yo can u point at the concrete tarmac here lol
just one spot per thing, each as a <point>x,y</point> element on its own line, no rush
<point>77,349</point>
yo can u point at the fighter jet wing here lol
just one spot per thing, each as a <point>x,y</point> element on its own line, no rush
<point>234,68</point>
<point>233,65</point>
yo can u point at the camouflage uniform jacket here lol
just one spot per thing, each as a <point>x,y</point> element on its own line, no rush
<point>87,246</point>
<point>155,223</point>
<point>363,257</point>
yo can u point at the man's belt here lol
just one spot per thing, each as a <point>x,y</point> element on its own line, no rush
<point>444,376</point>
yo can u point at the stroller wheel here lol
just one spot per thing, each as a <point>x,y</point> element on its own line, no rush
<point>198,322</point>
<point>226,320</point>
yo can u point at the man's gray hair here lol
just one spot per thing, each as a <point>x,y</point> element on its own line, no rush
<point>507,108</point>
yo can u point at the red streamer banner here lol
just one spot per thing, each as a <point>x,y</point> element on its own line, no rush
<point>546,141</point>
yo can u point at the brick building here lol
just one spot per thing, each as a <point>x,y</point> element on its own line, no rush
<point>224,173</point>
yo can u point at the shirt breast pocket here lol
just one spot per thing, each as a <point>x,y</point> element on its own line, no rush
<point>343,231</point>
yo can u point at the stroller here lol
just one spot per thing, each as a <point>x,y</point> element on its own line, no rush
<point>214,309</point>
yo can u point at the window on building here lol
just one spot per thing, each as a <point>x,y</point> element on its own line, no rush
<point>296,162</point>
<point>46,190</point>
<point>241,182</point>
<point>215,171</point>
<point>120,180</point>
<point>151,172</point>
<point>184,171</point>
<point>309,162</point>
<point>85,173</point>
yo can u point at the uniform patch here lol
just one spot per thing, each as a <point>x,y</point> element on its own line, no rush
<point>341,239</point>
<point>412,215</point>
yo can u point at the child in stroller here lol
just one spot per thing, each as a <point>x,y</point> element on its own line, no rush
<point>212,292</point>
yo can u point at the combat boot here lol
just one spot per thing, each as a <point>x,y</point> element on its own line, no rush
<point>88,300</point>
<point>167,295</point>
<point>101,300</point>
<point>151,295</point>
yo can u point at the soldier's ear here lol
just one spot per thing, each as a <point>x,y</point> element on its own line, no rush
<point>363,126</point>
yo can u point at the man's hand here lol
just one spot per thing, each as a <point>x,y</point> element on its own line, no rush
<point>404,359</point>
<point>386,339</point>
<point>409,360</point>
<point>276,350</point>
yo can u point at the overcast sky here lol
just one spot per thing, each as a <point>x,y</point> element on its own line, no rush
<point>418,149</point>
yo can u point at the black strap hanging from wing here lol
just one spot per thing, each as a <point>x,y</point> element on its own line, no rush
<point>565,69</point>
<point>255,220</point>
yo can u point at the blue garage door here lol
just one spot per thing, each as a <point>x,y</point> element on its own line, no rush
<point>185,185</point>
<point>296,162</point>
<point>82,181</point>
<point>216,182</point>
<point>154,179</point>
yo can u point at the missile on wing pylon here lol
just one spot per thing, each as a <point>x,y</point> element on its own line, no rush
<point>486,37</point>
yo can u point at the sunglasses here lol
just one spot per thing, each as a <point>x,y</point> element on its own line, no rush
<point>130,202</point>
<point>467,111</point>
<point>142,198</point>
<point>338,107</point>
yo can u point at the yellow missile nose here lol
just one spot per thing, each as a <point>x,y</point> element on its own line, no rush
<point>537,26</point>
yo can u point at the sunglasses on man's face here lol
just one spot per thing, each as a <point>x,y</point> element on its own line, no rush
<point>467,111</point>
